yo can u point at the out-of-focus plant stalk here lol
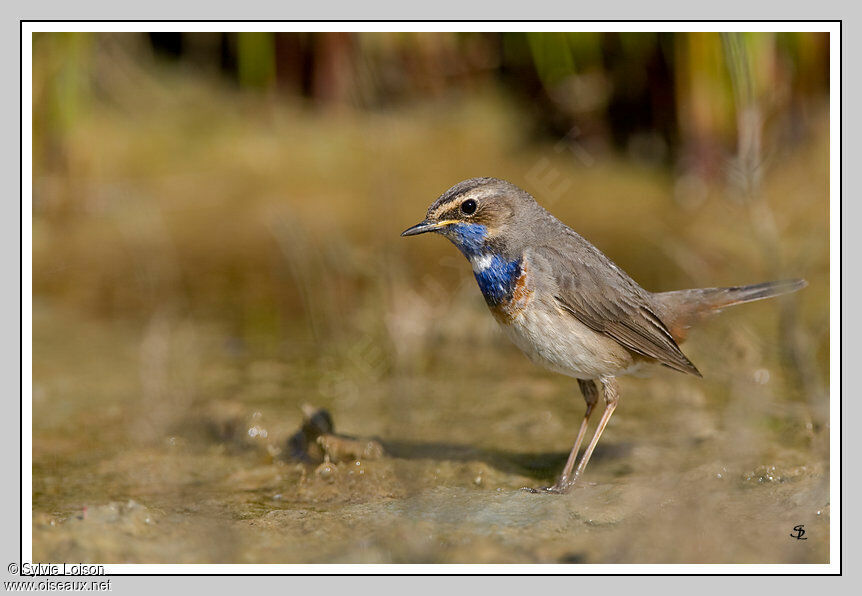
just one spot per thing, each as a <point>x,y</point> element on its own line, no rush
<point>61,93</point>
<point>749,174</point>
<point>255,52</point>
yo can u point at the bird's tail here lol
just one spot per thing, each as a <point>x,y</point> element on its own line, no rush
<point>683,308</point>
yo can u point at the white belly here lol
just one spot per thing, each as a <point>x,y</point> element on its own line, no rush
<point>560,342</point>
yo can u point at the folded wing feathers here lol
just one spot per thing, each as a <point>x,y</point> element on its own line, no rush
<point>615,307</point>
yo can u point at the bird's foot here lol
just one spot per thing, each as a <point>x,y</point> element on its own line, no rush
<point>560,488</point>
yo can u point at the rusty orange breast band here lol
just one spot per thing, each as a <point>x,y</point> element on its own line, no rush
<point>506,311</point>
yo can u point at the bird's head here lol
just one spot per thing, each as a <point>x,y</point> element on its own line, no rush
<point>477,214</point>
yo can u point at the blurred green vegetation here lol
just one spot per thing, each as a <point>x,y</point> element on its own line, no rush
<point>255,53</point>
<point>617,88</point>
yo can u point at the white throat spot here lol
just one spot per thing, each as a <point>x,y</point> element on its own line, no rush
<point>481,262</point>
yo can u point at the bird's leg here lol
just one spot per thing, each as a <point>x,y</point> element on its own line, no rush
<point>612,396</point>
<point>591,396</point>
<point>611,390</point>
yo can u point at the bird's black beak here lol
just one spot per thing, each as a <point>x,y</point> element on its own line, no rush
<point>421,228</point>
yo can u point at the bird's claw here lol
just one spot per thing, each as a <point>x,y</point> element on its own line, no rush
<point>557,489</point>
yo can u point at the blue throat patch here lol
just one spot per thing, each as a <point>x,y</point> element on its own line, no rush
<point>469,238</point>
<point>498,280</point>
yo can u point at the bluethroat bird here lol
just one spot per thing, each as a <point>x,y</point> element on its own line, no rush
<point>564,303</point>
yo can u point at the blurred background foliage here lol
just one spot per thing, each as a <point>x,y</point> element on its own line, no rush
<point>655,96</point>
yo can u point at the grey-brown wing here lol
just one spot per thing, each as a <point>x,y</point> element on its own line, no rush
<point>600,295</point>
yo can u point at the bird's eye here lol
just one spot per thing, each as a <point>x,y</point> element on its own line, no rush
<point>468,207</point>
